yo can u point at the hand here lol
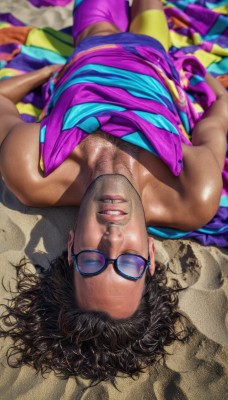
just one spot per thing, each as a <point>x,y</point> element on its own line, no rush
<point>17,87</point>
<point>49,70</point>
<point>215,85</point>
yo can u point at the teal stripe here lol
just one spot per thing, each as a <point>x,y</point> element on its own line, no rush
<point>218,28</point>
<point>42,134</point>
<point>135,83</point>
<point>166,233</point>
<point>216,5</point>
<point>194,80</point>
<point>207,231</point>
<point>219,68</point>
<point>2,64</point>
<point>77,2</point>
<point>169,233</point>
<point>157,120</point>
<point>191,97</point>
<point>180,4</point>
<point>89,125</point>
<point>41,54</point>
<point>75,114</point>
<point>224,201</point>
<point>184,119</point>
<point>140,140</point>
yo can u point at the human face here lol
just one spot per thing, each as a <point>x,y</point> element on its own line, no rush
<point>111,219</point>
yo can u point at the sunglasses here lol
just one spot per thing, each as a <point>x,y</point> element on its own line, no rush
<point>93,262</point>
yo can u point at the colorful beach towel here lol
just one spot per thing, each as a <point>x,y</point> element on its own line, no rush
<point>48,3</point>
<point>196,27</point>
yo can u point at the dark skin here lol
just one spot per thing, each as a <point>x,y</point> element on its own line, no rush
<point>186,202</point>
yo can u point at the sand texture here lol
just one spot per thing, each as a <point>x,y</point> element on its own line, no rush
<point>197,370</point>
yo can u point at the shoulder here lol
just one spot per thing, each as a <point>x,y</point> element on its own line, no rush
<point>201,181</point>
<point>186,202</point>
<point>19,165</point>
<point>19,158</point>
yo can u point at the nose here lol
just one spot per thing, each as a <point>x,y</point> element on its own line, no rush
<point>112,240</point>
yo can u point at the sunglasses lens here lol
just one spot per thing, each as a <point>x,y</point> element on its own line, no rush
<point>131,265</point>
<point>90,262</point>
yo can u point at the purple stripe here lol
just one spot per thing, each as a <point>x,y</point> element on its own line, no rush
<point>28,118</point>
<point>221,40</point>
<point>25,63</point>
<point>93,92</point>
<point>113,57</point>
<point>9,48</point>
<point>35,98</point>
<point>225,178</point>
<point>7,17</point>
<point>219,221</point>
<point>196,17</point>
<point>204,18</point>
<point>47,3</point>
<point>207,46</point>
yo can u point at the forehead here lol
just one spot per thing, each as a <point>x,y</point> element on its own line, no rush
<point>108,292</point>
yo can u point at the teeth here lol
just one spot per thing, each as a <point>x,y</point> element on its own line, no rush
<point>112,201</point>
<point>113,212</point>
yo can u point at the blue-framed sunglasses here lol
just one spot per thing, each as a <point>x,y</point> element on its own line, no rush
<point>93,262</point>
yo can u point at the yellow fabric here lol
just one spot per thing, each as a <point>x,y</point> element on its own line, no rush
<point>7,72</point>
<point>206,58</point>
<point>219,51</point>
<point>221,9</point>
<point>152,23</point>
<point>179,40</point>
<point>48,40</point>
<point>28,109</point>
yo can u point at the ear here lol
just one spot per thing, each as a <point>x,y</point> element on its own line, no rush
<point>70,242</point>
<point>152,255</point>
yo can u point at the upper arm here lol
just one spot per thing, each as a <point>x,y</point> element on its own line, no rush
<point>210,132</point>
<point>211,135</point>
<point>201,180</point>
<point>19,159</point>
<point>19,164</point>
<point>9,117</point>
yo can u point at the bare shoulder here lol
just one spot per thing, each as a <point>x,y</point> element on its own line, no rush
<point>19,165</point>
<point>188,201</point>
<point>19,158</point>
<point>201,181</point>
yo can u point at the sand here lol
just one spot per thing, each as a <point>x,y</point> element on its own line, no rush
<point>195,371</point>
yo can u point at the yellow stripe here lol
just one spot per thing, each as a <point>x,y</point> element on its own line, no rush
<point>178,40</point>
<point>44,40</point>
<point>198,107</point>
<point>4,25</point>
<point>206,58</point>
<point>197,38</point>
<point>9,72</point>
<point>216,49</point>
<point>41,164</point>
<point>181,127</point>
<point>221,9</point>
<point>28,109</point>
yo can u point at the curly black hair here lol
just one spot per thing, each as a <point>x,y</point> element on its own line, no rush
<point>50,332</point>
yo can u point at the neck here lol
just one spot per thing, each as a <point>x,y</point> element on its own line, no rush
<point>106,157</point>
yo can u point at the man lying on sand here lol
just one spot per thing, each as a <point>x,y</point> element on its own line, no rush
<point>101,308</point>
